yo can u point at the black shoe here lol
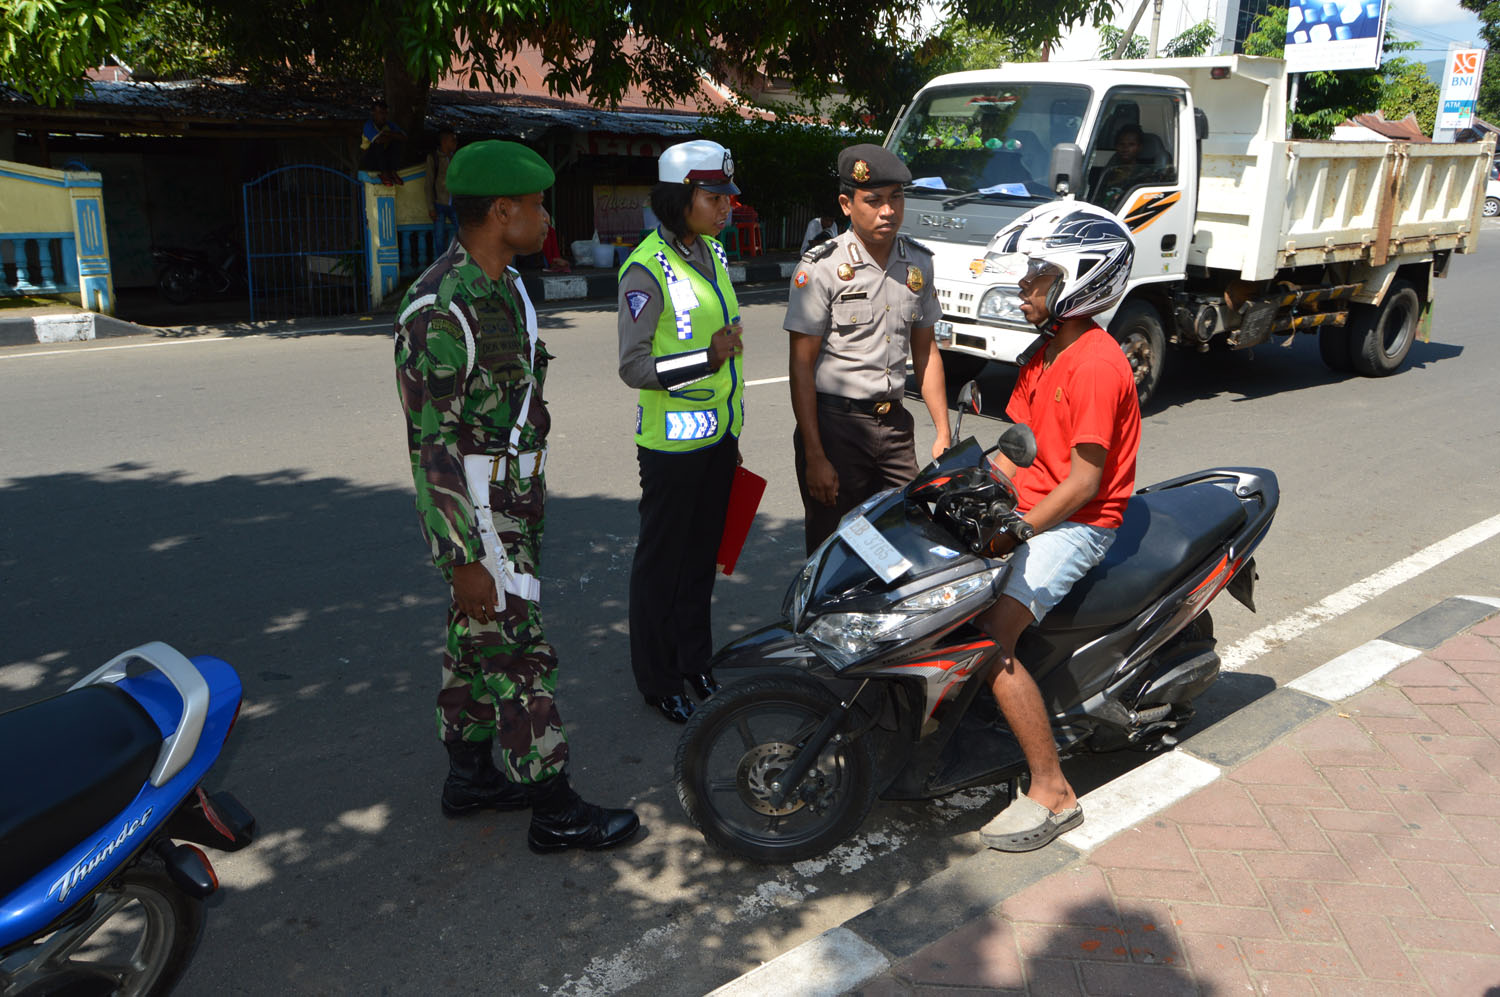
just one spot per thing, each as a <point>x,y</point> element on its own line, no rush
<point>703,685</point>
<point>474,783</point>
<point>560,819</point>
<point>675,708</point>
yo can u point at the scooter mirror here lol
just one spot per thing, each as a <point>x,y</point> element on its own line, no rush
<point>1018,444</point>
<point>968,401</point>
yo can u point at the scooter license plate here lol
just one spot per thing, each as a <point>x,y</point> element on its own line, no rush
<point>873,549</point>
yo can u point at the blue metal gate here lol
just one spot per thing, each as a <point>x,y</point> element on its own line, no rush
<point>305,237</point>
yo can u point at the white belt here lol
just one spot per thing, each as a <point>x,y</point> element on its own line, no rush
<point>480,470</point>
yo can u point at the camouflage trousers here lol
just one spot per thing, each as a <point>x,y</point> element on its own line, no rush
<point>500,678</point>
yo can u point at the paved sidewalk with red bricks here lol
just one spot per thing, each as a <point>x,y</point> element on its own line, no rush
<point>1357,855</point>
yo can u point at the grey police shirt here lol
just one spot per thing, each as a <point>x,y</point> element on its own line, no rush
<point>863,313</point>
<point>639,301</point>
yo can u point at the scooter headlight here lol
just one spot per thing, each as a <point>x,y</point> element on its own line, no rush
<point>950,594</point>
<point>849,636</point>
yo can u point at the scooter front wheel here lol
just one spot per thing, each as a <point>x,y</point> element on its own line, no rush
<point>133,938</point>
<point>734,750</point>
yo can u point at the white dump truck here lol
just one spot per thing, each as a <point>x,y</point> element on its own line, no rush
<point>1241,235</point>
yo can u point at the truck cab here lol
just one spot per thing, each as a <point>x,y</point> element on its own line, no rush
<point>981,145</point>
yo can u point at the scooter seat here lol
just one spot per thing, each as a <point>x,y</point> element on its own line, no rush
<point>76,761</point>
<point>1164,535</point>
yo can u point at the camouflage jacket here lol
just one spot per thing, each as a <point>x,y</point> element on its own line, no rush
<point>463,368</point>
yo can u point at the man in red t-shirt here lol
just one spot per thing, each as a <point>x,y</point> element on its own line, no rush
<point>1078,396</point>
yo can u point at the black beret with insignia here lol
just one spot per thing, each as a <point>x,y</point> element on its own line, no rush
<point>866,166</point>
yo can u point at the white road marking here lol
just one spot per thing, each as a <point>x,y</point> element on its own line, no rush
<point>768,380</point>
<point>1268,638</point>
<point>1354,670</point>
<point>122,346</point>
<point>1125,801</point>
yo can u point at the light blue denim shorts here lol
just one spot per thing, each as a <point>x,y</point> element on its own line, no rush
<point>1043,569</point>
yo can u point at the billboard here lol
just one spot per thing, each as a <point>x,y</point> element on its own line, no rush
<point>1334,34</point>
<point>1460,88</point>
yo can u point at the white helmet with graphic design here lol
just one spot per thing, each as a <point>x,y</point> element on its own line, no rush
<point>1087,246</point>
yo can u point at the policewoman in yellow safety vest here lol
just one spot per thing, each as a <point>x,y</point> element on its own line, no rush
<point>680,345</point>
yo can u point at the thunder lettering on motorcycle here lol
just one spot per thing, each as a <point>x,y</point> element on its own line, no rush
<point>87,865</point>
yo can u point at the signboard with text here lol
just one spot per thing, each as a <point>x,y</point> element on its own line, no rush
<point>1334,34</point>
<point>1460,88</point>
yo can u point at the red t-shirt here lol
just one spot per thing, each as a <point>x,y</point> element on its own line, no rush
<point>1086,396</point>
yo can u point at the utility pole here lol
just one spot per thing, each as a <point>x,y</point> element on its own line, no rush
<point>1130,30</point>
<point>1155,27</point>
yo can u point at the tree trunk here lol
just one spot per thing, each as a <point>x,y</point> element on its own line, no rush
<point>407,97</point>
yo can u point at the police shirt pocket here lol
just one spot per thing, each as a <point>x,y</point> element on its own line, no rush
<point>850,314</point>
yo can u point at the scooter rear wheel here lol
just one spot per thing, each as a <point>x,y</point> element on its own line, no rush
<point>133,938</point>
<point>740,741</point>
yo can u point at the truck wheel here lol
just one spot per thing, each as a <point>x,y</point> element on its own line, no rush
<point>1137,327</point>
<point>1491,207</point>
<point>961,368</point>
<point>1333,347</point>
<point>1380,338</point>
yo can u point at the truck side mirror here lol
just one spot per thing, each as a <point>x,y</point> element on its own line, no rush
<point>1066,168</point>
<point>1200,121</point>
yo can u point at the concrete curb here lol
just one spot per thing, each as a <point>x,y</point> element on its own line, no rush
<point>65,327</point>
<point>867,945</point>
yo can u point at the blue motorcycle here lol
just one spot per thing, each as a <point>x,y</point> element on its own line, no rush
<point>100,890</point>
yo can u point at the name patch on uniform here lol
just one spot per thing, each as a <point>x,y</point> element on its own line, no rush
<point>801,279</point>
<point>853,296</point>
<point>636,301</point>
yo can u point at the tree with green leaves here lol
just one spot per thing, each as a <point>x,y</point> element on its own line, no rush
<point>1194,41</point>
<point>591,49</point>
<point>1488,105</point>
<point>1325,99</point>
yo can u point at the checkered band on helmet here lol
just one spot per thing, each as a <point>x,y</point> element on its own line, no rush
<point>1089,246</point>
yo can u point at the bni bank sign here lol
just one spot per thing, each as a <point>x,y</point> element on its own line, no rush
<point>1460,89</point>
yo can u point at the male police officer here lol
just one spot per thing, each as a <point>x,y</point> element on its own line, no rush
<point>470,369</point>
<point>859,304</point>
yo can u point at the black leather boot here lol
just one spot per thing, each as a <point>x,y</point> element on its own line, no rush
<point>474,783</point>
<point>561,819</point>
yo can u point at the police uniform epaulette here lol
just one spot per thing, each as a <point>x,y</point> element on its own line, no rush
<point>916,245</point>
<point>819,251</point>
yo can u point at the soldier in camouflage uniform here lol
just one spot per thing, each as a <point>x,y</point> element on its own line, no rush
<point>470,371</point>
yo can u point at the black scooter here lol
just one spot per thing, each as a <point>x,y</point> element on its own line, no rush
<point>876,682</point>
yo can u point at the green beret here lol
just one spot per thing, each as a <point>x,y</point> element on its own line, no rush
<point>495,168</point>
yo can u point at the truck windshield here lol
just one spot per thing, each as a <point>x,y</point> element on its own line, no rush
<point>990,139</point>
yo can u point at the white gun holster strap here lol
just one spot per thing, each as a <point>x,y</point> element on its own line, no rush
<point>478,469</point>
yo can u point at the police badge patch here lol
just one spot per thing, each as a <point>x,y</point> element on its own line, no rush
<point>846,271</point>
<point>801,279</point>
<point>914,279</point>
<point>861,171</point>
<point>636,301</point>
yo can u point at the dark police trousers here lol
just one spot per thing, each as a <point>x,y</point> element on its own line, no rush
<point>683,500</point>
<point>869,452</point>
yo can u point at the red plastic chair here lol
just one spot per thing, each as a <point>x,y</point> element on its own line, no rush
<point>747,225</point>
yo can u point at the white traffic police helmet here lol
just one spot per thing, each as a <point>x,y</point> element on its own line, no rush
<point>707,164</point>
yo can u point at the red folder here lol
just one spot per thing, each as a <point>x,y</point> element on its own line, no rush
<point>744,499</point>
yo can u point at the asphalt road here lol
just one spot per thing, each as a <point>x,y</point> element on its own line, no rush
<point>249,497</point>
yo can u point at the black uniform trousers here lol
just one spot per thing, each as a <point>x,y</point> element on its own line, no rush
<point>869,452</point>
<point>684,497</point>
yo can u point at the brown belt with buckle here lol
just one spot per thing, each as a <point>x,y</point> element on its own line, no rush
<point>842,404</point>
